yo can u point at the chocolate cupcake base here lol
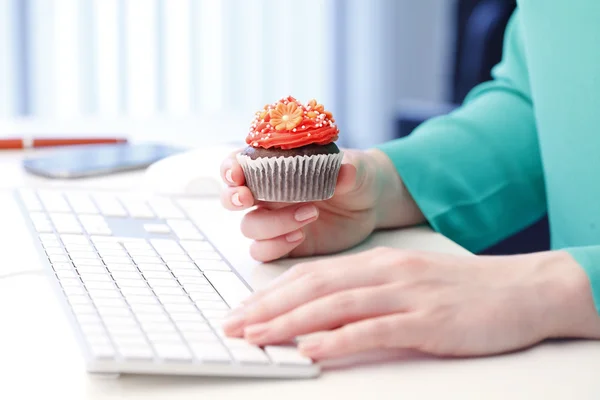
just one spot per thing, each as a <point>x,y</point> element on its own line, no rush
<point>292,179</point>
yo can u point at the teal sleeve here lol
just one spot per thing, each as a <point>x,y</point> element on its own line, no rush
<point>476,173</point>
<point>589,259</point>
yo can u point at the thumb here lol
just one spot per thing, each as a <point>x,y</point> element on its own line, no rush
<point>351,173</point>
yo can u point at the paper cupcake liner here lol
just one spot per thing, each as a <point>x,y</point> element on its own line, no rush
<point>292,179</point>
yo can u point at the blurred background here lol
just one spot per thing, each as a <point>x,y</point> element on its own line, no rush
<point>381,66</point>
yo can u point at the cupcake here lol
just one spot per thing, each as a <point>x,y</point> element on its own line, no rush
<point>291,154</point>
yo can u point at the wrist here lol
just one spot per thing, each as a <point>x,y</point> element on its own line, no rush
<point>394,206</point>
<point>566,293</point>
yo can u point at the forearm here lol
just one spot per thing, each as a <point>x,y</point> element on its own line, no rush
<point>395,206</point>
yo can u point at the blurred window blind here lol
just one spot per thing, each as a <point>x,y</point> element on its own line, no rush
<point>70,58</point>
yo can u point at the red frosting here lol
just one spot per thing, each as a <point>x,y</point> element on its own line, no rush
<point>289,124</point>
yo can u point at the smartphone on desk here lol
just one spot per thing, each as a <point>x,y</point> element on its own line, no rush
<point>98,159</point>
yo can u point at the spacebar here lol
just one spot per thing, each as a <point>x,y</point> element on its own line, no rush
<point>229,286</point>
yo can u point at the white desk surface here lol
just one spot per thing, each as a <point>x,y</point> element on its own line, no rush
<point>40,359</point>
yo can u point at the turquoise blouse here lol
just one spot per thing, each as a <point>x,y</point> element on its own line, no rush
<point>523,144</point>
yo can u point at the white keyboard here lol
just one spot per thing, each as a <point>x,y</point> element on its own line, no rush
<point>144,289</point>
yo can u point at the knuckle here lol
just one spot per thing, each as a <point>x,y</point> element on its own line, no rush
<point>304,268</point>
<point>345,301</point>
<point>317,281</point>
<point>408,259</point>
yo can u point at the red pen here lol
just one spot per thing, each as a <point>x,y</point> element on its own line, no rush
<point>31,143</point>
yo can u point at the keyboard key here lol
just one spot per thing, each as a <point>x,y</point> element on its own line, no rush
<point>113,311</point>
<point>192,280</point>
<point>164,326</point>
<point>153,267</point>
<point>160,290</point>
<point>209,352</point>
<point>157,228</point>
<point>250,355</point>
<point>83,309</point>
<point>140,308</point>
<point>74,290</point>
<point>211,305</point>
<point>136,352</point>
<point>31,201</point>
<point>153,318</point>
<point>83,255</point>
<point>164,337</point>
<point>122,275</point>
<point>205,296</point>
<point>146,260</point>
<point>51,243</point>
<point>109,206</point>
<point>122,283</point>
<point>112,253</point>
<point>105,246</point>
<point>53,201</point>
<point>193,326</point>
<point>169,299</point>
<point>91,285</point>
<point>165,209</point>
<point>59,266</point>
<point>43,227</point>
<point>180,308</point>
<point>181,273</point>
<point>74,239</point>
<point>158,275</point>
<point>105,294</point>
<point>179,317</point>
<point>212,315</point>
<point>121,267</point>
<point>66,273</point>
<point>137,291</point>
<point>134,299</point>
<point>94,277</point>
<point>166,246</point>
<point>79,247</point>
<point>88,261</point>
<point>102,351</point>
<point>136,207</point>
<point>81,203</point>
<point>79,299</point>
<point>203,287</point>
<point>202,257</point>
<point>91,269</point>
<point>65,223</point>
<point>175,258</point>
<point>229,286</point>
<point>109,302</point>
<point>192,246</point>
<point>70,282</point>
<point>170,351</point>
<point>58,258</point>
<point>116,260</point>
<point>286,355</point>
<point>132,245</point>
<point>179,265</point>
<point>213,265</point>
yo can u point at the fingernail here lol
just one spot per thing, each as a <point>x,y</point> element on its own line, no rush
<point>256,332</point>
<point>305,213</point>
<point>309,346</point>
<point>229,177</point>
<point>294,236</point>
<point>235,199</point>
<point>234,321</point>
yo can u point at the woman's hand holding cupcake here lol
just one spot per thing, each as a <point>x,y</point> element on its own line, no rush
<point>315,216</point>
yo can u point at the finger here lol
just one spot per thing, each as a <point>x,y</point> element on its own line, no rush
<point>301,287</point>
<point>237,198</point>
<point>326,313</point>
<point>392,331</point>
<point>263,224</point>
<point>231,171</point>
<point>292,274</point>
<point>346,179</point>
<point>273,249</point>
